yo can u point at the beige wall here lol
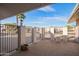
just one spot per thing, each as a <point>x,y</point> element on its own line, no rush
<point>77,28</point>
<point>77,32</point>
<point>52,30</point>
<point>65,31</point>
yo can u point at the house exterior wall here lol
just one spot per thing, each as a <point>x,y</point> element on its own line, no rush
<point>58,31</point>
<point>77,30</point>
<point>65,31</point>
<point>52,30</point>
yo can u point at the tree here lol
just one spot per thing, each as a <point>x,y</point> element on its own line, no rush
<point>20,17</point>
<point>10,27</point>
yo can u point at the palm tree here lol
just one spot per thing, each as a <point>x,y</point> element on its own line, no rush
<point>69,26</point>
<point>20,17</point>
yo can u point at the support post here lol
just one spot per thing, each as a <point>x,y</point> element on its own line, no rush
<point>43,33</point>
<point>20,34</point>
<point>52,33</point>
<point>77,30</point>
<point>19,37</point>
<point>33,35</point>
<point>0,38</point>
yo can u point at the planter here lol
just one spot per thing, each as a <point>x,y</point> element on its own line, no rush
<point>24,47</point>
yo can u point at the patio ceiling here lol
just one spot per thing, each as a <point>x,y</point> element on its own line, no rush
<point>74,15</point>
<point>11,9</point>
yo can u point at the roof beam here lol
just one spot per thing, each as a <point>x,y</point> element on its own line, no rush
<point>74,15</point>
<point>11,9</point>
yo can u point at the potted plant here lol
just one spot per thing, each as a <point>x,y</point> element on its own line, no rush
<point>24,47</point>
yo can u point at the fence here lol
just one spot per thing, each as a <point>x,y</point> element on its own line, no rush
<point>37,34</point>
<point>33,35</point>
<point>28,35</point>
<point>8,38</point>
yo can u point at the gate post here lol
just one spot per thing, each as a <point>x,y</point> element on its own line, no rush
<point>52,33</point>
<point>43,33</point>
<point>33,35</point>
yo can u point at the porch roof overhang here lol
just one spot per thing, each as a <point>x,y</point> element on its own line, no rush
<point>11,9</point>
<point>74,15</point>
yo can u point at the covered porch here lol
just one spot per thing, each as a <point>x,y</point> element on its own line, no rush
<point>51,48</point>
<point>38,45</point>
<point>11,35</point>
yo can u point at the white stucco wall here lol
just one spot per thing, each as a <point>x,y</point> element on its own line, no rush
<point>77,32</point>
<point>52,30</point>
<point>65,31</point>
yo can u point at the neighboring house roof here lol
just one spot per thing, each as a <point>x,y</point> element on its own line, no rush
<point>73,16</point>
<point>11,9</point>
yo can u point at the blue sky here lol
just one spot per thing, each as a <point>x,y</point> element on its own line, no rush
<point>51,15</point>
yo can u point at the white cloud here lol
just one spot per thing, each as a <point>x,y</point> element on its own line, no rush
<point>36,22</point>
<point>46,21</point>
<point>53,19</point>
<point>47,9</point>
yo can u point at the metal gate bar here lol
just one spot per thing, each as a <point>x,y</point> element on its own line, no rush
<point>8,38</point>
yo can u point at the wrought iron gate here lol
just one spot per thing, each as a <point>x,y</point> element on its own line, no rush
<point>8,38</point>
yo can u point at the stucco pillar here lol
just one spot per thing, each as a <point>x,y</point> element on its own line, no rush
<point>65,31</point>
<point>33,35</point>
<point>52,30</point>
<point>43,33</point>
<point>19,37</point>
<point>52,33</point>
<point>77,30</point>
<point>0,38</point>
<point>23,36</point>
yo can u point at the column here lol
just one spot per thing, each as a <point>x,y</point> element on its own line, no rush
<point>33,35</point>
<point>34,39</point>
<point>77,30</point>
<point>19,37</point>
<point>52,33</point>
<point>23,35</point>
<point>0,37</point>
<point>65,31</point>
<point>43,33</point>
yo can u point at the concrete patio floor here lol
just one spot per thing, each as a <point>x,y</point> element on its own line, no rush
<point>51,48</point>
